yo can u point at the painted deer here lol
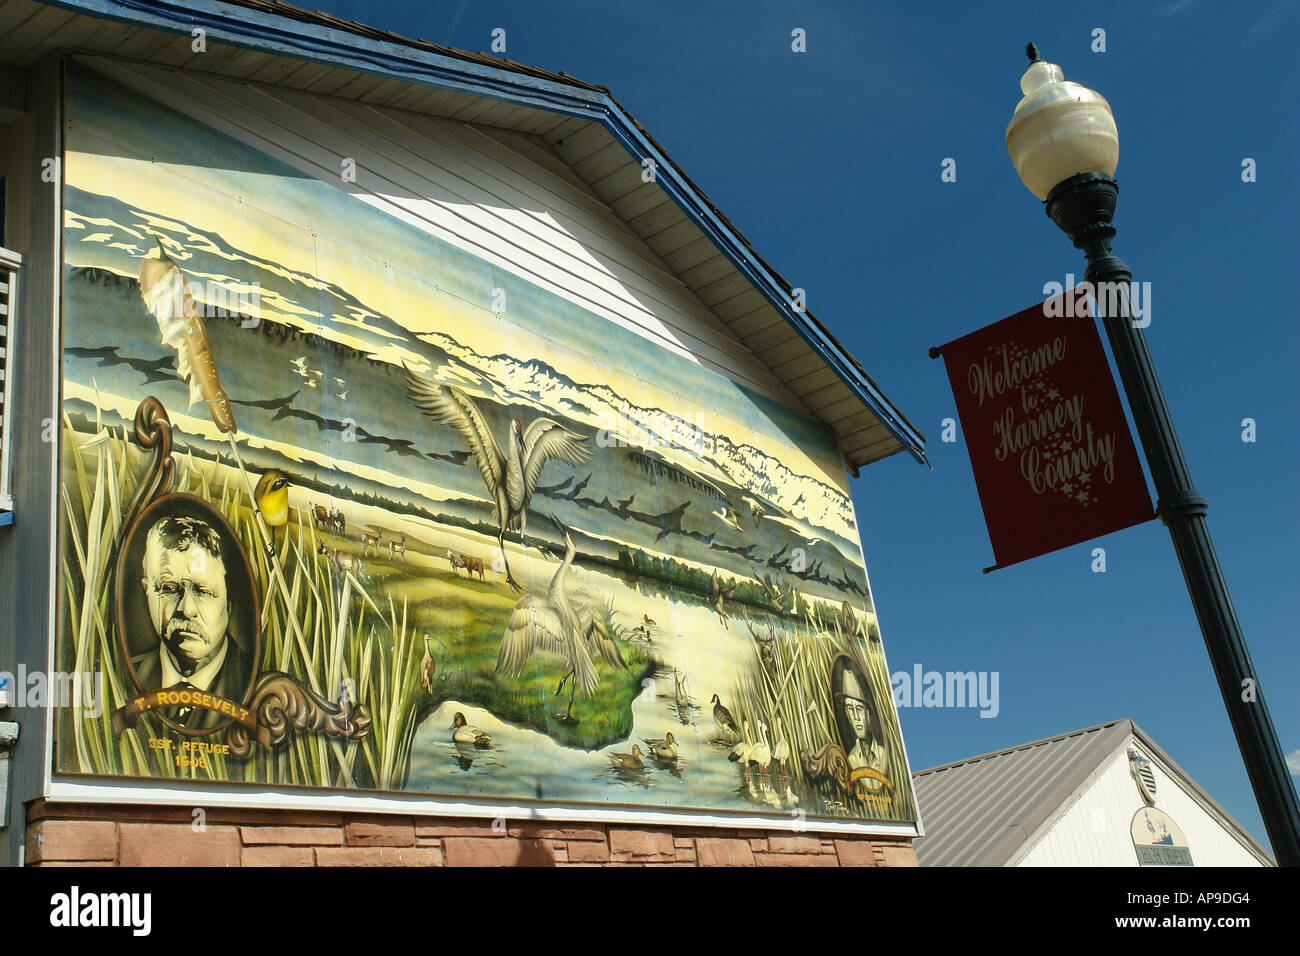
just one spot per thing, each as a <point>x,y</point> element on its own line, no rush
<point>344,561</point>
<point>766,644</point>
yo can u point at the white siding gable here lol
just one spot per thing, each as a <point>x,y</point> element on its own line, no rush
<point>503,196</point>
<point>1094,828</point>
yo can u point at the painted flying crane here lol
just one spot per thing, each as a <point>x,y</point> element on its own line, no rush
<point>511,478</point>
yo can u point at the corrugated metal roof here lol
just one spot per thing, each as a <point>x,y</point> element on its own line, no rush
<point>981,811</point>
<point>581,122</point>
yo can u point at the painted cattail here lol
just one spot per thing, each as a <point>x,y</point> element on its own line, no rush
<point>162,286</point>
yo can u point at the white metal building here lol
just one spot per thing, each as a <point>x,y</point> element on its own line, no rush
<point>542,178</point>
<point>1101,796</point>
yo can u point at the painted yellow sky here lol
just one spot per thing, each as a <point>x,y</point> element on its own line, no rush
<point>393,287</point>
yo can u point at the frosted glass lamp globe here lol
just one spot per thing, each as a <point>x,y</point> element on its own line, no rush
<point>1059,129</point>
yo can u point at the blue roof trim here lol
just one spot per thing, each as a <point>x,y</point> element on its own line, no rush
<point>6,517</point>
<point>762,278</point>
<point>259,30</point>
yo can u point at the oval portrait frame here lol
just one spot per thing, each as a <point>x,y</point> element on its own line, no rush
<point>839,665</point>
<point>131,611</point>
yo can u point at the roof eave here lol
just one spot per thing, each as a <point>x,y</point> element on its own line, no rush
<point>250,27</point>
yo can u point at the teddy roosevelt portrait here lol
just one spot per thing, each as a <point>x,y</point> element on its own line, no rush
<point>184,578</point>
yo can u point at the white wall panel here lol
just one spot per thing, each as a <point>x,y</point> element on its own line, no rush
<point>1094,830</point>
<point>491,196</point>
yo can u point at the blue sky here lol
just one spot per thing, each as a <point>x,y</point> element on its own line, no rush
<point>829,162</point>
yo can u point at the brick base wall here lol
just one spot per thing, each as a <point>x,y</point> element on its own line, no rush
<point>114,835</point>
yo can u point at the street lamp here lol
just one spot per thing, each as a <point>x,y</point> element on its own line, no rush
<point>1063,143</point>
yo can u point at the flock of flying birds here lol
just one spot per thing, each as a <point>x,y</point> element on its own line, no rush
<point>312,377</point>
<point>450,405</point>
<point>731,517</point>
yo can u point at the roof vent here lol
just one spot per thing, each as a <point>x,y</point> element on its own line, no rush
<point>1146,780</point>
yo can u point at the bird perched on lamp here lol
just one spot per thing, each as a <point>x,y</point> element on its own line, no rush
<point>272,497</point>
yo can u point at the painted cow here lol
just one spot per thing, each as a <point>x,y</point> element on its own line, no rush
<point>471,565</point>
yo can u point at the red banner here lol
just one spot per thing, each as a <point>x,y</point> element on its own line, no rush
<point>1053,458</point>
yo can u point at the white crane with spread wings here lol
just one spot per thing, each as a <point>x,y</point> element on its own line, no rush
<point>511,478</point>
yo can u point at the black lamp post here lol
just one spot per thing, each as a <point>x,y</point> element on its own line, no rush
<point>1063,142</point>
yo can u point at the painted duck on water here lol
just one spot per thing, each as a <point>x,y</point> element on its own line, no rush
<point>662,748</point>
<point>628,762</point>
<point>464,733</point>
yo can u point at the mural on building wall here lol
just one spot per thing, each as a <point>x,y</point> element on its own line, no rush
<point>346,506</point>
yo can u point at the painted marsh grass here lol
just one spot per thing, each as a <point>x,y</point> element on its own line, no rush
<point>800,670</point>
<point>361,639</point>
<point>350,647</point>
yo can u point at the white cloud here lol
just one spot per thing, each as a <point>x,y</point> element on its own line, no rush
<point>1293,763</point>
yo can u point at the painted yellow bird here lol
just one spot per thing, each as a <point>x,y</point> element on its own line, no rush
<point>272,497</point>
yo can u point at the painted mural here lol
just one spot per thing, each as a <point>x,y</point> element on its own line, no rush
<point>345,506</point>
